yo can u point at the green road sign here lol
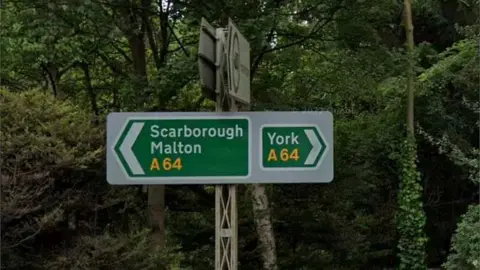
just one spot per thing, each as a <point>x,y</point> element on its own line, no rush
<point>184,147</point>
<point>291,146</point>
<point>169,148</point>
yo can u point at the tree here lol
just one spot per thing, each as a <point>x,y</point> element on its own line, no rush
<point>411,216</point>
<point>465,249</point>
<point>263,222</point>
<point>47,148</point>
<point>455,75</point>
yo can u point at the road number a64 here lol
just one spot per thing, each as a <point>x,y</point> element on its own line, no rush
<point>166,164</point>
<point>283,155</point>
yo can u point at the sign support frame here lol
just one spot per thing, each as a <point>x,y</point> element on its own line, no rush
<point>226,220</point>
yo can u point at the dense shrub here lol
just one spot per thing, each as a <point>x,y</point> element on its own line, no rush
<point>58,212</point>
<point>125,251</point>
<point>46,147</point>
<point>465,251</point>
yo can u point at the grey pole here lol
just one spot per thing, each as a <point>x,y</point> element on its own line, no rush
<point>226,222</point>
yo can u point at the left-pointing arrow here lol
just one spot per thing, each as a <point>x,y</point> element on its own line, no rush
<point>126,148</point>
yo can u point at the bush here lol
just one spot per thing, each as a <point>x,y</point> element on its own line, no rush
<point>49,148</point>
<point>55,199</point>
<point>121,251</point>
<point>465,250</point>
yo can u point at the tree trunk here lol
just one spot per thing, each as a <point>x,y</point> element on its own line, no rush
<point>156,205</point>
<point>263,222</point>
<point>410,216</point>
<point>135,32</point>
<point>164,38</point>
<point>90,90</point>
<point>146,6</point>
<point>410,44</point>
<point>53,76</point>
<point>137,48</point>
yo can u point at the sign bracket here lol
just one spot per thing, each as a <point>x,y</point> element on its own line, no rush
<point>226,221</point>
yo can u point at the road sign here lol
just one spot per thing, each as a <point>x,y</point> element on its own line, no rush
<point>286,147</point>
<point>238,64</point>
<point>206,58</point>
<point>206,147</point>
<point>219,148</point>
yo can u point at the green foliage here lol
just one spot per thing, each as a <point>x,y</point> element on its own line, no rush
<point>47,146</point>
<point>341,56</point>
<point>49,150</point>
<point>410,215</point>
<point>466,160</point>
<point>348,224</point>
<point>447,112</point>
<point>450,99</point>
<point>39,130</point>
<point>452,62</point>
<point>124,251</point>
<point>465,250</point>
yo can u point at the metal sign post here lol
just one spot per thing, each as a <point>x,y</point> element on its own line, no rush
<point>232,60</point>
<point>226,222</point>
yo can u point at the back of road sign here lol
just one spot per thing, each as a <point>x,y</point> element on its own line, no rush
<point>238,64</point>
<point>206,62</point>
<point>219,148</point>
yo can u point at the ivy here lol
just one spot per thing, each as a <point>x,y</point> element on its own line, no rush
<point>410,216</point>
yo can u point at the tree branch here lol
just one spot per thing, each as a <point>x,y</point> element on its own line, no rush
<point>319,25</point>
<point>302,12</point>
<point>145,13</point>
<point>184,45</point>
<point>121,52</point>
<point>256,62</point>
<point>470,199</point>
<point>52,78</point>
<point>178,41</point>
<point>113,66</point>
<point>164,36</point>
<point>89,86</point>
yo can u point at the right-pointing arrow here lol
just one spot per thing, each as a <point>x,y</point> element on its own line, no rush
<point>126,148</point>
<point>316,147</point>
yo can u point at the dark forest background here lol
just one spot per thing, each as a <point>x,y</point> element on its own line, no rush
<point>66,64</point>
